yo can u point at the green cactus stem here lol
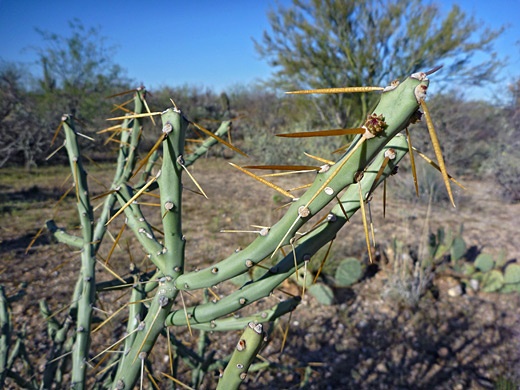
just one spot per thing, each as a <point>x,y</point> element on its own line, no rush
<point>62,236</point>
<point>396,106</point>
<point>234,323</point>
<point>61,345</point>
<point>125,165</point>
<point>144,233</point>
<point>307,246</point>
<point>135,315</point>
<point>145,335</point>
<point>86,298</point>
<point>245,352</point>
<point>170,186</point>
<point>5,335</point>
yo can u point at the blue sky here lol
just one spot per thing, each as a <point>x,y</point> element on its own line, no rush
<point>206,43</point>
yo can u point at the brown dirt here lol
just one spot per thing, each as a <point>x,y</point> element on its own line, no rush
<point>365,340</point>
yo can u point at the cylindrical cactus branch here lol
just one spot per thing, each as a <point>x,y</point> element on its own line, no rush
<point>12,351</point>
<point>141,228</point>
<point>61,345</point>
<point>392,115</point>
<point>145,335</point>
<point>245,352</point>
<point>135,316</point>
<point>305,248</point>
<point>170,187</point>
<point>129,149</point>
<point>125,164</point>
<point>84,295</point>
<point>126,160</point>
<point>169,257</point>
<point>63,236</point>
<point>86,301</point>
<point>237,323</point>
<point>5,335</point>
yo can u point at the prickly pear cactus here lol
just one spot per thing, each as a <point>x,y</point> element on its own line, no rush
<point>349,271</point>
<point>511,278</point>
<point>484,262</point>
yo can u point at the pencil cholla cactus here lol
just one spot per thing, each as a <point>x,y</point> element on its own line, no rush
<point>156,304</point>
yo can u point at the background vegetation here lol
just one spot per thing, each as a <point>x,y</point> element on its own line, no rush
<point>77,74</point>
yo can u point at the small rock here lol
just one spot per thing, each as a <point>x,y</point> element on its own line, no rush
<point>362,324</point>
<point>443,352</point>
<point>474,284</point>
<point>455,291</point>
<point>381,367</point>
